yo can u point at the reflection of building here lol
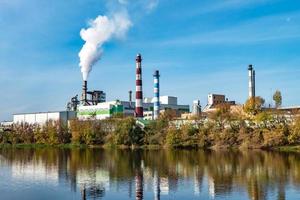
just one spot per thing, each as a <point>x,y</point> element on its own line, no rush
<point>99,177</point>
<point>211,187</point>
<point>198,179</point>
<point>34,172</point>
<point>164,186</point>
<point>95,184</point>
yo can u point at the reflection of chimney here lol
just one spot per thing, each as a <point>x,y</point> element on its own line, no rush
<point>83,193</point>
<point>84,93</point>
<point>139,90</point>
<point>139,182</point>
<point>156,186</point>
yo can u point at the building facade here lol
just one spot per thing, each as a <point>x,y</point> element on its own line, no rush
<point>43,117</point>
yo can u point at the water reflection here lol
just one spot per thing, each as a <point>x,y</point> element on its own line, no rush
<point>155,174</point>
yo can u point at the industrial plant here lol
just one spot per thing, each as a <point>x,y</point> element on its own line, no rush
<point>93,104</point>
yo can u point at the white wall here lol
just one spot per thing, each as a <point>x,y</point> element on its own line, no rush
<point>42,118</point>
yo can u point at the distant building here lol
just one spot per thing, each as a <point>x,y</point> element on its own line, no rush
<point>196,108</point>
<point>43,117</point>
<point>216,99</point>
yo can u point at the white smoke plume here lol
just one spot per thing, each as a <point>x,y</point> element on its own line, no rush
<point>104,28</point>
<point>101,30</point>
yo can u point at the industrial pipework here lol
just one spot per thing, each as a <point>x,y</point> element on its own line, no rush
<point>139,89</point>
<point>156,95</point>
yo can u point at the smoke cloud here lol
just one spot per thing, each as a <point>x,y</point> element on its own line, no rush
<point>105,28</point>
<point>101,30</point>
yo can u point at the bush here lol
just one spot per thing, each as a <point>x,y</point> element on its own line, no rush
<point>128,133</point>
<point>294,137</point>
<point>173,137</point>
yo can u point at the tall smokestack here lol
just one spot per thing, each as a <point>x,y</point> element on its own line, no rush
<point>139,90</point>
<point>156,95</point>
<point>130,98</point>
<point>253,82</point>
<point>84,93</point>
<point>250,75</point>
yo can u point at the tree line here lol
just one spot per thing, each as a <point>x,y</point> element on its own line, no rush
<point>253,126</point>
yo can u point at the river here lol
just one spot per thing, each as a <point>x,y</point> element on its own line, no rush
<point>57,173</point>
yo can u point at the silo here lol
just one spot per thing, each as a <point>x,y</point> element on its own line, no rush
<point>196,107</point>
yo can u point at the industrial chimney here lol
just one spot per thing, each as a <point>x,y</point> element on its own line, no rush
<point>139,90</point>
<point>251,74</point>
<point>253,82</point>
<point>130,98</point>
<point>156,95</point>
<point>84,93</point>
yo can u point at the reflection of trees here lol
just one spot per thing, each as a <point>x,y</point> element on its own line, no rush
<point>256,172</point>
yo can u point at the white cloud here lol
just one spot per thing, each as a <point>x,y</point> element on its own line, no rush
<point>152,4</point>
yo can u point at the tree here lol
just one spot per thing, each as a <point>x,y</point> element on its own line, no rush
<point>254,105</point>
<point>277,97</point>
<point>222,114</point>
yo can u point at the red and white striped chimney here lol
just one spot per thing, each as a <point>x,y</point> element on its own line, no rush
<point>139,88</point>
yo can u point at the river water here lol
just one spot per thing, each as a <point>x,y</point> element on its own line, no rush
<point>54,173</point>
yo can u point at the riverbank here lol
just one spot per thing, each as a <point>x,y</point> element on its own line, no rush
<point>219,131</point>
<point>295,148</point>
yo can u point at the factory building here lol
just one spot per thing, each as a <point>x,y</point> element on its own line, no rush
<point>216,99</point>
<point>127,108</point>
<point>100,111</point>
<point>43,117</point>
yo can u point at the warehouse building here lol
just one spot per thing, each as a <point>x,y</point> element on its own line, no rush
<point>43,117</point>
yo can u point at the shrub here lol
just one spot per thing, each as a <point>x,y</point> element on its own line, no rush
<point>294,137</point>
<point>173,137</point>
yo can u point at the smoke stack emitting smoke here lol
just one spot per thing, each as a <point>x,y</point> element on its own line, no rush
<point>101,30</point>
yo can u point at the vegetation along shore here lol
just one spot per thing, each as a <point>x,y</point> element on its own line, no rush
<point>251,127</point>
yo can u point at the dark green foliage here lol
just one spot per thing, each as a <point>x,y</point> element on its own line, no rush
<point>128,133</point>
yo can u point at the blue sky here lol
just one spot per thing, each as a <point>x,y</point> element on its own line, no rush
<point>199,46</point>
